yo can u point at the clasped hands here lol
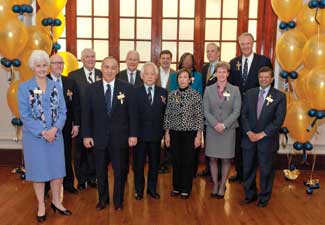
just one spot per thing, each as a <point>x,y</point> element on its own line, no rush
<point>89,142</point>
<point>255,137</point>
<point>49,135</point>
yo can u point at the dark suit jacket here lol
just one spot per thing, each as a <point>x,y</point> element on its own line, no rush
<point>79,77</point>
<point>204,77</point>
<point>158,82</point>
<point>270,120</point>
<point>109,131</point>
<point>123,75</point>
<point>235,76</point>
<point>150,118</point>
<point>72,102</point>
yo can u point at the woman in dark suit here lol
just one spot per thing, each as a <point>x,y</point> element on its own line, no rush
<point>222,103</point>
<point>183,129</point>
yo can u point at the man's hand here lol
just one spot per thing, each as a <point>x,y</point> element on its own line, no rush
<point>197,141</point>
<point>88,142</point>
<point>167,140</point>
<point>74,131</point>
<point>133,141</point>
<point>252,136</point>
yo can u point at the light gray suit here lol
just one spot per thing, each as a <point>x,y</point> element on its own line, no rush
<point>226,112</point>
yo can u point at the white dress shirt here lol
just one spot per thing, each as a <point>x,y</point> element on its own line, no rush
<point>249,62</point>
<point>152,90</point>
<point>112,83</point>
<point>92,74</point>
<point>164,76</point>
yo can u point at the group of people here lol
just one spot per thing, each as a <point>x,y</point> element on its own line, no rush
<point>232,106</point>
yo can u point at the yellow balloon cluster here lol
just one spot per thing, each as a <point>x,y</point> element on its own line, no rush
<point>12,96</point>
<point>52,7</point>
<point>286,10</point>
<point>314,52</point>
<point>70,62</point>
<point>55,31</point>
<point>315,87</point>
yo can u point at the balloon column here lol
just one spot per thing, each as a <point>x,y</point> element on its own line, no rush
<point>300,51</point>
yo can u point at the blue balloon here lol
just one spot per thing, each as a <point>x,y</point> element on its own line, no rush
<point>309,191</point>
<point>49,21</point>
<point>283,25</point>
<point>292,167</point>
<point>313,4</point>
<point>284,130</point>
<point>319,115</point>
<point>321,4</point>
<point>312,112</point>
<point>57,22</point>
<point>292,24</point>
<point>284,74</point>
<point>44,22</point>
<point>57,46</point>
<point>5,62</point>
<point>29,9</point>
<point>293,75</point>
<point>23,8</point>
<point>16,8</point>
<point>308,146</point>
<point>317,186</point>
<point>298,146</point>
<point>16,63</point>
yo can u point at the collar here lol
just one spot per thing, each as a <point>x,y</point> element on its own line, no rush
<point>88,71</point>
<point>250,57</point>
<point>54,78</point>
<point>129,72</point>
<point>112,83</point>
<point>147,87</point>
<point>267,89</point>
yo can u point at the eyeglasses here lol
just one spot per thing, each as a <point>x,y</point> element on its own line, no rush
<point>57,63</point>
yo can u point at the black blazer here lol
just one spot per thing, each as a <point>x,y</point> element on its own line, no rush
<point>235,76</point>
<point>204,77</point>
<point>79,77</point>
<point>123,75</point>
<point>150,118</point>
<point>271,118</point>
<point>72,102</point>
<point>113,130</point>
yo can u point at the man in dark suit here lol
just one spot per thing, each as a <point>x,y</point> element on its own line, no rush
<point>72,123</point>
<point>84,159</point>
<point>150,108</point>
<point>244,74</point>
<point>208,78</point>
<point>131,74</point>
<point>109,128</point>
<point>165,59</point>
<point>263,113</point>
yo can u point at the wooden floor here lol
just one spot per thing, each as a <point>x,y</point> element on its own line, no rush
<point>289,205</point>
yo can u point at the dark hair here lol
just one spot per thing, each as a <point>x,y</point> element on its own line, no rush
<point>163,52</point>
<point>183,70</point>
<point>266,69</point>
<point>181,60</point>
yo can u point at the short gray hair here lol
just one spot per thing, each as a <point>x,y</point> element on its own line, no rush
<point>149,64</point>
<point>85,50</point>
<point>38,56</point>
<point>246,34</point>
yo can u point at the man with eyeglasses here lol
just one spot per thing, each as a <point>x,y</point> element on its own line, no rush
<point>71,127</point>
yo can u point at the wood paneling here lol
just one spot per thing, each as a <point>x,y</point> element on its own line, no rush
<point>156,30</point>
<point>243,13</point>
<point>199,33</point>
<point>71,26</point>
<point>114,24</point>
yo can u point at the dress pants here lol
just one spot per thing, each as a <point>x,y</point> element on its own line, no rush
<point>68,181</point>
<point>142,149</point>
<point>262,156</point>
<point>239,153</point>
<point>183,157</point>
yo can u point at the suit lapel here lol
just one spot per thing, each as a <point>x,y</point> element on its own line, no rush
<point>265,107</point>
<point>253,67</point>
<point>255,100</point>
<point>83,76</point>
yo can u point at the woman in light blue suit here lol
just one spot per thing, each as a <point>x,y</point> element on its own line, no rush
<point>43,112</point>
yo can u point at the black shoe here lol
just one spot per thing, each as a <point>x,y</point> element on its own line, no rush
<point>81,186</point>
<point>248,200</point>
<point>217,196</point>
<point>72,190</point>
<point>174,193</point>
<point>153,195</point>
<point>262,204</point>
<point>118,207</point>
<point>163,169</point>
<point>236,178</point>
<point>204,173</point>
<point>65,212</point>
<point>185,195</point>
<point>41,219</point>
<point>138,196</point>
<point>92,183</point>
<point>100,206</point>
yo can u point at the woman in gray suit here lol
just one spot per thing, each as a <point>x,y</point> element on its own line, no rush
<point>222,104</point>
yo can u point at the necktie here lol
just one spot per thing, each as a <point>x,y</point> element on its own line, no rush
<point>260,102</point>
<point>131,79</point>
<point>211,69</point>
<point>59,82</point>
<point>245,71</point>
<point>89,77</point>
<point>108,96</point>
<point>150,95</point>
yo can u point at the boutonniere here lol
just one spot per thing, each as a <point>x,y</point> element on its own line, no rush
<point>193,78</point>
<point>269,99</point>
<point>163,99</point>
<point>226,94</point>
<point>69,94</point>
<point>121,97</point>
<point>238,65</point>
<point>97,78</point>
<point>37,91</point>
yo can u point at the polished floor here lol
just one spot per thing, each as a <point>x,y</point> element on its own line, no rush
<point>289,205</point>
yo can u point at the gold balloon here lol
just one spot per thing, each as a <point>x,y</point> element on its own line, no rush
<point>20,2</point>
<point>13,38</point>
<point>5,12</point>
<point>25,72</point>
<point>306,22</point>
<point>315,88</point>
<point>12,98</point>
<point>52,7</point>
<point>70,62</point>
<point>300,84</point>
<point>289,49</point>
<point>314,52</point>
<point>286,10</point>
<point>38,39</point>
<point>297,121</point>
<point>56,30</point>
